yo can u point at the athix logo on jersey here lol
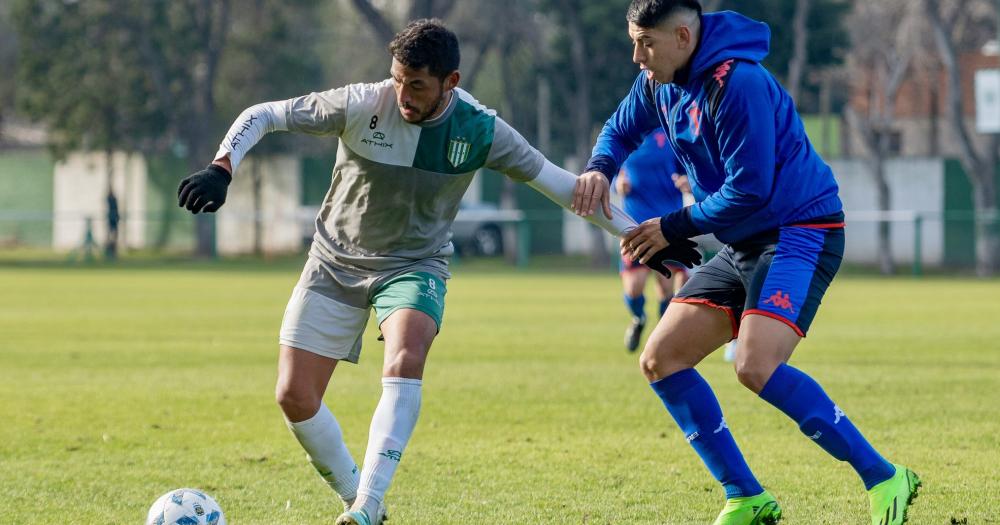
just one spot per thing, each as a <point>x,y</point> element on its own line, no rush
<point>722,426</point>
<point>722,71</point>
<point>783,301</point>
<point>458,151</point>
<point>378,140</point>
<point>238,138</point>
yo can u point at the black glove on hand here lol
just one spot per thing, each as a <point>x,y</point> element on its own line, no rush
<point>204,191</point>
<point>683,251</point>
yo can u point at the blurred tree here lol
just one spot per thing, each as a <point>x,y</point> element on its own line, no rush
<point>181,43</point>
<point>91,97</point>
<point>472,22</point>
<point>581,67</point>
<point>383,23</point>
<point>148,76</point>
<point>962,26</point>
<point>114,74</point>
<point>8,62</point>
<point>884,38</point>
<point>800,41</point>
<point>590,67</point>
<point>267,59</point>
<point>806,36</point>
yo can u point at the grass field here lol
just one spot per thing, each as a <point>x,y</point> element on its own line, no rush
<point>117,385</point>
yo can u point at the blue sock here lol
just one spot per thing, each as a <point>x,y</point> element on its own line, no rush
<point>802,399</point>
<point>636,305</point>
<point>694,407</point>
<point>663,306</point>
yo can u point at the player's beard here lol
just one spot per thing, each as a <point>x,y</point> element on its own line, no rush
<point>430,112</point>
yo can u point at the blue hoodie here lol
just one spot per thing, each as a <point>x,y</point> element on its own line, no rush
<point>736,132</point>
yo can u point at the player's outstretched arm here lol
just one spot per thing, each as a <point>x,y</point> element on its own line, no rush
<point>559,186</point>
<point>249,128</point>
<point>205,190</point>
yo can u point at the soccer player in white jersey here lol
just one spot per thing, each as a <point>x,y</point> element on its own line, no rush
<point>409,147</point>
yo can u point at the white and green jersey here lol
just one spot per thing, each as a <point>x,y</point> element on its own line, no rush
<point>396,186</point>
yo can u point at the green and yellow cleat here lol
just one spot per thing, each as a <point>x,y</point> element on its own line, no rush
<point>891,499</point>
<point>761,509</point>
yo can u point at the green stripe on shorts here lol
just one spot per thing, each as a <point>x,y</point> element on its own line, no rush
<point>417,291</point>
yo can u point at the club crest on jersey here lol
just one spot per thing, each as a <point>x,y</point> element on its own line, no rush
<point>458,151</point>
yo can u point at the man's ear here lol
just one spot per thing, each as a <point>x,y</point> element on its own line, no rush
<point>685,36</point>
<point>451,81</point>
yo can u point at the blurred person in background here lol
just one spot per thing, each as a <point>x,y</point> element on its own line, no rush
<point>111,243</point>
<point>650,186</point>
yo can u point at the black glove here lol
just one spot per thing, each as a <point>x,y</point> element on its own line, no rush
<point>204,191</point>
<point>683,251</point>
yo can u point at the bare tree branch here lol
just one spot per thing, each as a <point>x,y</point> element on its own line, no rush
<point>800,53</point>
<point>482,50</point>
<point>881,58</point>
<point>977,168</point>
<point>378,23</point>
<point>949,59</point>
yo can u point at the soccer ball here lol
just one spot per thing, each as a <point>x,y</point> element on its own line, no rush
<point>185,507</point>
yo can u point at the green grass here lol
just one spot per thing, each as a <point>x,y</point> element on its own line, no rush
<point>117,385</point>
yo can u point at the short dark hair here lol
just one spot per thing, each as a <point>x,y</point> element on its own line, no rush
<point>427,43</point>
<point>649,13</point>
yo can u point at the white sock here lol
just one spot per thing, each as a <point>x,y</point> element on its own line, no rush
<point>323,441</point>
<point>392,425</point>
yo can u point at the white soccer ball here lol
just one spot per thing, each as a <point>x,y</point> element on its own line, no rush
<point>185,507</point>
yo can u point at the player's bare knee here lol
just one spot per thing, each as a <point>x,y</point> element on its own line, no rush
<point>648,365</point>
<point>753,373</point>
<point>296,403</point>
<point>657,363</point>
<point>407,361</point>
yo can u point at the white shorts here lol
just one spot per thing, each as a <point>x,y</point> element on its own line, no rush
<point>329,307</point>
<point>321,325</point>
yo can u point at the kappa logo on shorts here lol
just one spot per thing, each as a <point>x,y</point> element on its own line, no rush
<point>783,301</point>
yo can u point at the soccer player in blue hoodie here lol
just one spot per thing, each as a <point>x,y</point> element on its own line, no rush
<point>762,190</point>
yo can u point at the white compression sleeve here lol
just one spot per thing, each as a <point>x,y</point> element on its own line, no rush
<point>392,425</point>
<point>249,128</point>
<point>557,184</point>
<point>323,441</point>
